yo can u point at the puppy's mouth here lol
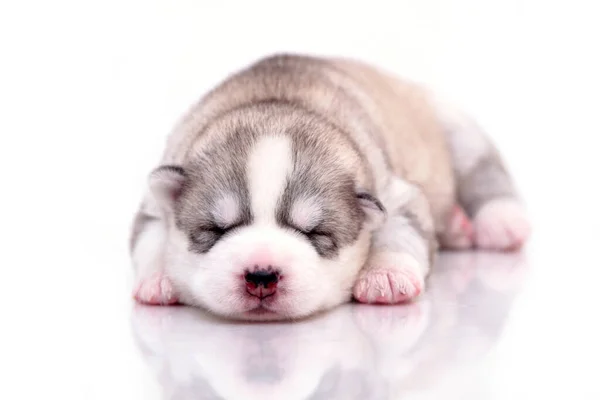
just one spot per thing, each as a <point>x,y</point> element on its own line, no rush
<point>260,309</point>
<point>261,312</point>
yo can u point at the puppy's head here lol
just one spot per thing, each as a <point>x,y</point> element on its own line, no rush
<point>268,221</point>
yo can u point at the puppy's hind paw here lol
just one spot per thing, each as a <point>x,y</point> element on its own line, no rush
<point>458,234</point>
<point>501,225</point>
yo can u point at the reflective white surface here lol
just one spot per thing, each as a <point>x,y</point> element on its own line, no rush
<point>434,348</point>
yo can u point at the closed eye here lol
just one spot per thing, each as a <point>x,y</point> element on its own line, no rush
<point>323,242</point>
<point>221,229</point>
<point>205,237</point>
<point>218,230</point>
<point>303,231</point>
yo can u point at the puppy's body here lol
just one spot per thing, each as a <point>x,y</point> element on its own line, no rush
<point>328,176</point>
<point>391,122</point>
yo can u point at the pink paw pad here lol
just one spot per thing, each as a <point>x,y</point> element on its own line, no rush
<point>460,233</point>
<point>155,290</point>
<point>501,225</point>
<point>388,285</point>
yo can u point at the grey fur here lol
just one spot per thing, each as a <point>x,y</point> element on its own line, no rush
<point>486,180</point>
<point>428,234</point>
<point>315,173</point>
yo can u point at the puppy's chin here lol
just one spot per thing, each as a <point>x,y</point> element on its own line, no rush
<point>274,311</point>
<point>274,308</point>
<point>262,313</point>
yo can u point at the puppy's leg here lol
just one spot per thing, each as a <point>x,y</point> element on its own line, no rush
<point>402,249</point>
<point>485,189</point>
<point>148,242</point>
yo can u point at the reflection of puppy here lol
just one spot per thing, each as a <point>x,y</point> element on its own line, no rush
<point>231,361</point>
<point>326,357</point>
<point>467,318</point>
<point>394,333</point>
<point>506,272</point>
<point>301,180</point>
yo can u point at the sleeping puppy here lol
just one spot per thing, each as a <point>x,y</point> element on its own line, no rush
<point>300,182</point>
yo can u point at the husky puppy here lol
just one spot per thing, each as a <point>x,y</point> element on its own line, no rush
<point>300,182</point>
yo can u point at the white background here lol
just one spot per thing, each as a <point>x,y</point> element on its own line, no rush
<point>89,90</point>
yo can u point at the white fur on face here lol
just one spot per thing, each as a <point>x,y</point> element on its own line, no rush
<point>268,168</point>
<point>226,210</point>
<point>215,280</point>
<point>308,283</point>
<point>306,213</point>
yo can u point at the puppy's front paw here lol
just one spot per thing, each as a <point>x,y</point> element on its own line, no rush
<point>390,280</point>
<point>156,289</point>
<point>501,225</point>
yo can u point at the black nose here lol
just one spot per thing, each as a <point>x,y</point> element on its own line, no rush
<point>262,277</point>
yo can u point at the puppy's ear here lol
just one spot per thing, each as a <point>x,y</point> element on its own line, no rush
<point>375,212</point>
<point>166,184</point>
